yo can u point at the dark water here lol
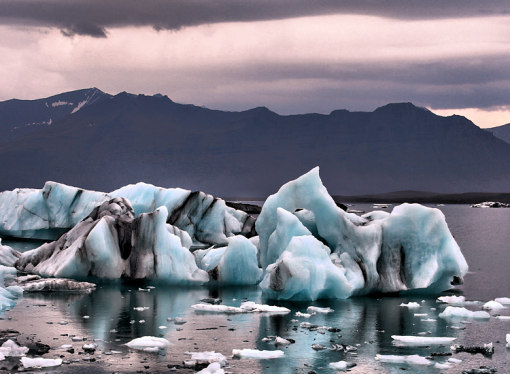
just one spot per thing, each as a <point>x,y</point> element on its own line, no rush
<point>366,322</point>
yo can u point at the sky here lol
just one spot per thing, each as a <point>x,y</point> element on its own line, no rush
<point>292,56</point>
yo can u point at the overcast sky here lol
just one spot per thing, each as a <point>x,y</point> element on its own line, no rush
<point>292,56</point>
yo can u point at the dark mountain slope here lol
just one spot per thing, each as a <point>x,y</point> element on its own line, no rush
<point>20,117</point>
<point>502,132</point>
<point>140,138</point>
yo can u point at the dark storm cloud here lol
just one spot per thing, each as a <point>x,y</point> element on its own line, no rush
<point>94,17</point>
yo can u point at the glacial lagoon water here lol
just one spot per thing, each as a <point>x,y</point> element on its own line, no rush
<point>366,323</point>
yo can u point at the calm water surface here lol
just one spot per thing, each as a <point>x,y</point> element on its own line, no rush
<point>365,322</point>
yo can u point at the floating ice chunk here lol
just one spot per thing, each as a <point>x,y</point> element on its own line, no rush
<point>304,315</point>
<point>304,271</point>
<point>281,341</point>
<point>452,311</point>
<point>411,305</point>
<point>439,365</point>
<point>428,320</point>
<point>207,357</point>
<point>162,327</point>
<point>214,368</point>
<point>319,310</point>
<point>420,314</point>
<point>411,340</point>
<point>66,346</point>
<point>8,256</point>
<point>141,308</point>
<point>179,321</point>
<point>254,353</point>
<point>40,362</point>
<point>454,360</point>
<point>318,347</point>
<point>147,342</point>
<point>341,365</point>
<point>412,360</point>
<point>452,299</point>
<point>508,340</point>
<point>503,317</point>
<point>15,349</point>
<point>493,305</point>
<point>246,307</point>
<point>502,300</point>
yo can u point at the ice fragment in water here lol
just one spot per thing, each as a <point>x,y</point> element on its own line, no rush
<point>40,362</point>
<point>207,357</point>
<point>14,349</point>
<point>452,299</point>
<point>319,310</point>
<point>147,342</point>
<point>493,305</point>
<point>342,365</point>
<point>254,353</point>
<point>412,360</point>
<point>502,300</point>
<point>508,340</point>
<point>411,305</point>
<point>214,368</point>
<point>281,341</point>
<point>452,311</point>
<point>412,340</point>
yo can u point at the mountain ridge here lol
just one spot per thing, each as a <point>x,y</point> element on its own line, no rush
<point>130,138</point>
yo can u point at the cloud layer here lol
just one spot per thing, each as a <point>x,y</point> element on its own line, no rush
<point>95,17</point>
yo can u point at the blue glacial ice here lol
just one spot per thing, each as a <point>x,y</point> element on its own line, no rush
<point>409,249</point>
<point>308,248</point>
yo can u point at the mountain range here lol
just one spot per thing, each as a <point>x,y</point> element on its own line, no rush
<point>94,140</point>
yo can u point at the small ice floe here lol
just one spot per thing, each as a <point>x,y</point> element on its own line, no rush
<point>342,365</point>
<point>148,342</point>
<point>151,287</point>
<point>265,340</point>
<point>144,289</point>
<point>141,321</point>
<point>439,365</point>
<point>411,305</point>
<point>493,305</point>
<point>305,325</point>
<point>162,327</point>
<point>78,338</point>
<point>281,341</point>
<point>454,360</point>
<point>10,348</point>
<point>179,321</point>
<point>413,340</point>
<point>206,357</point>
<point>294,320</point>
<point>66,346</point>
<point>89,347</point>
<point>411,360</point>
<point>428,320</point>
<point>316,309</point>
<point>40,362</point>
<point>420,314</point>
<point>132,321</point>
<point>508,340</point>
<point>113,330</point>
<point>304,315</point>
<point>502,300</point>
<point>505,318</point>
<point>62,323</point>
<point>486,350</point>
<point>214,368</point>
<point>452,299</point>
<point>319,347</point>
<point>254,353</point>
<point>141,308</point>
<point>86,317</point>
<point>246,307</point>
<point>452,311</point>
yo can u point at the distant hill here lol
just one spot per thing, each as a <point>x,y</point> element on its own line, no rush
<point>20,117</point>
<point>129,138</point>
<point>502,132</point>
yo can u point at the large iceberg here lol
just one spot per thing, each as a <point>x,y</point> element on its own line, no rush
<point>46,213</point>
<point>111,243</point>
<point>52,211</point>
<point>409,249</point>
<point>308,248</point>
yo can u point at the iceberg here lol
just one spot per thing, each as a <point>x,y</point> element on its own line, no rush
<point>111,243</point>
<point>49,212</point>
<point>459,312</point>
<point>45,213</point>
<point>8,256</point>
<point>409,249</point>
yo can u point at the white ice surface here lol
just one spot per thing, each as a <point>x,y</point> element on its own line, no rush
<point>207,357</point>
<point>422,339</point>
<point>493,305</point>
<point>411,360</point>
<point>411,305</point>
<point>452,299</point>
<point>147,342</point>
<point>214,368</point>
<point>246,307</point>
<point>459,312</point>
<point>502,300</point>
<point>254,353</point>
<point>40,362</point>
<point>319,310</point>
